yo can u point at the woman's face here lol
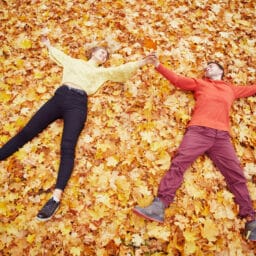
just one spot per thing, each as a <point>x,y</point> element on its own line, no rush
<point>100,55</point>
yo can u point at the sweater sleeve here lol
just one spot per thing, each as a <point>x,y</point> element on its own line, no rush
<point>179,81</point>
<point>244,91</point>
<point>121,73</point>
<point>58,56</point>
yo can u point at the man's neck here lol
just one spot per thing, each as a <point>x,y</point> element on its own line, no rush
<point>215,78</point>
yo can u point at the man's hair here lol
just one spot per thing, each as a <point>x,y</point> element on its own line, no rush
<point>219,65</point>
<point>96,48</point>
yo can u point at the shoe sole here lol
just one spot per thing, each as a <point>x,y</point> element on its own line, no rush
<point>45,219</point>
<point>247,236</point>
<point>146,216</point>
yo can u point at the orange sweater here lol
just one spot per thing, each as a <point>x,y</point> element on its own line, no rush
<point>214,98</point>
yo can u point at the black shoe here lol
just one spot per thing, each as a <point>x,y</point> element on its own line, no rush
<point>154,212</point>
<point>250,230</point>
<point>48,210</point>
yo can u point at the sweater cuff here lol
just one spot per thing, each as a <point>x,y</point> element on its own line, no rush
<point>159,67</point>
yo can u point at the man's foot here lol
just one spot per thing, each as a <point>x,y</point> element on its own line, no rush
<point>250,230</point>
<point>48,210</point>
<point>154,212</point>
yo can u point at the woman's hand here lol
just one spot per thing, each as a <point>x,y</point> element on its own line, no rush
<point>46,41</point>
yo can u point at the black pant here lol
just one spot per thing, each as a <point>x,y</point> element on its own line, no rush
<point>66,104</point>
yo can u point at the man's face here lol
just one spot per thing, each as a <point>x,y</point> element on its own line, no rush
<point>212,71</point>
<point>100,55</point>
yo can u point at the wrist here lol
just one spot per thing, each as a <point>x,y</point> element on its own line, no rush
<point>156,64</point>
<point>142,63</point>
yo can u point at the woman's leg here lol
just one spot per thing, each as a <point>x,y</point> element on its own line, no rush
<point>74,111</point>
<point>73,124</point>
<point>48,113</point>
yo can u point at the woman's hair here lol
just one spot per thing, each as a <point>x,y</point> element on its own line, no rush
<point>219,65</point>
<point>94,49</point>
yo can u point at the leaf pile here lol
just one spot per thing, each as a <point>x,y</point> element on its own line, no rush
<point>132,131</point>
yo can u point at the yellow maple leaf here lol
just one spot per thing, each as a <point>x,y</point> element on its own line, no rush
<point>112,161</point>
<point>31,238</point>
<point>3,208</point>
<point>209,230</point>
<point>65,228</point>
<point>137,240</point>
<point>24,43</point>
<point>5,97</point>
<point>76,251</point>
<point>191,186</point>
<point>123,188</point>
<point>147,136</point>
<point>38,75</point>
<point>98,211</point>
<point>190,247</point>
<point>159,145</point>
<point>158,231</point>
<point>104,199</point>
<point>164,160</point>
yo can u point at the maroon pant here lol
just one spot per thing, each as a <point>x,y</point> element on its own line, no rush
<point>217,145</point>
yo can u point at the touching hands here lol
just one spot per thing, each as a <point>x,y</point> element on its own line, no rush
<point>152,59</point>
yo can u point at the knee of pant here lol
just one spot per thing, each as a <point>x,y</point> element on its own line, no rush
<point>177,169</point>
<point>67,148</point>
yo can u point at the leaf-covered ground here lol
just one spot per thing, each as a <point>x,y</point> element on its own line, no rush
<point>132,132</point>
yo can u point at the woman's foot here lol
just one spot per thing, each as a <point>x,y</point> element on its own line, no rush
<point>48,210</point>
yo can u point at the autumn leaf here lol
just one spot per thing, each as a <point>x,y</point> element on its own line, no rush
<point>31,238</point>
<point>23,42</point>
<point>4,97</point>
<point>149,43</point>
<point>158,231</point>
<point>210,230</point>
<point>76,251</point>
<point>190,242</point>
<point>99,211</point>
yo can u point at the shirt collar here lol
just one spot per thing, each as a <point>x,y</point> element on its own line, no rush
<point>92,63</point>
<point>211,80</point>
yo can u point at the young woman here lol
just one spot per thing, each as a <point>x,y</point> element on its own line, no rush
<point>80,79</point>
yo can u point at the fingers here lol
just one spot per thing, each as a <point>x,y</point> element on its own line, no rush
<point>45,41</point>
<point>152,59</point>
<point>153,54</point>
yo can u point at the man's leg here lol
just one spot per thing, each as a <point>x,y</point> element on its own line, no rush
<point>223,155</point>
<point>196,141</point>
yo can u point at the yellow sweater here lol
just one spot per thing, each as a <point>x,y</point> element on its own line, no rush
<point>87,75</point>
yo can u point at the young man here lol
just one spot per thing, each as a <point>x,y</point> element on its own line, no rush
<point>80,79</point>
<point>207,133</point>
